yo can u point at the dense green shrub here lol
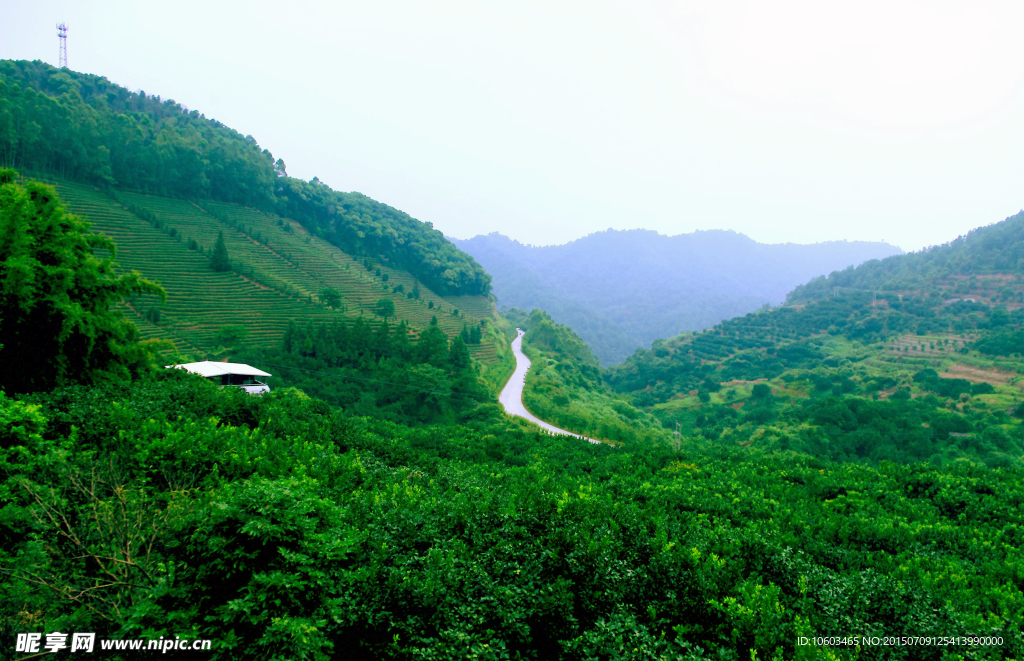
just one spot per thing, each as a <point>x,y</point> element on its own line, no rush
<point>58,318</point>
<point>283,529</point>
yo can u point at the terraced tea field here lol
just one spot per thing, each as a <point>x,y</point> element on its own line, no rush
<point>329,266</point>
<point>283,270</point>
<point>932,346</point>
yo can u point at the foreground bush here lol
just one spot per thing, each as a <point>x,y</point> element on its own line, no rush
<point>281,529</point>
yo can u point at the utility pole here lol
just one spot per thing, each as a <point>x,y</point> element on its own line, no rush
<point>62,32</point>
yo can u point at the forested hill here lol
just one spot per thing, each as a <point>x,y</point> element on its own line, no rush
<point>85,128</point>
<point>995,249</point>
<point>620,290</point>
<point>394,512</point>
<point>916,357</point>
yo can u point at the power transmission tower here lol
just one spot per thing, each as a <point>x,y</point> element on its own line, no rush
<point>62,32</point>
<point>677,441</point>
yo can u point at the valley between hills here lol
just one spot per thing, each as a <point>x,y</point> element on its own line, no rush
<point>791,475</point>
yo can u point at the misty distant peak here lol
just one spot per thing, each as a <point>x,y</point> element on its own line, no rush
<point>653,237</point>
<point>621,289</point>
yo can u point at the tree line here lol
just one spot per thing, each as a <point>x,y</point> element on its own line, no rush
<point>376,369</point>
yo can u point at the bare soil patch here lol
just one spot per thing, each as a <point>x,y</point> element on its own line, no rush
<point>978,374</point>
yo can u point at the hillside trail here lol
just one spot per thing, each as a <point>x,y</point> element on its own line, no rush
<point>511,396</point>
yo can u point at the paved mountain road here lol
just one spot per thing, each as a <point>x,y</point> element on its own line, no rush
<point>512,394</point>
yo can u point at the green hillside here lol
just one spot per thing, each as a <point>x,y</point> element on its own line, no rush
<point>564,385</point>
<point>280,270</point>
<point>836,491</point>
<point>87,129</point>
<point>913,358</point>
<point>621,290</point>
<point>996,251</point>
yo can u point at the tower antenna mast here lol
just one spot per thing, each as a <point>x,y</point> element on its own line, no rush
<point>62,33</point>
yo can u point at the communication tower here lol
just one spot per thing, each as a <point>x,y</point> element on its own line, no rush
<point>62,33</point>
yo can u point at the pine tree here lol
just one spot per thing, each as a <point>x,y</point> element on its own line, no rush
<point>458,356</point>
<point>401,347</point>
<point>307,340</point>
<point>432,347</point>
<point>362,337</point>
<point>382,341</point>
<point>219,258</point>
<point>343,341</point>
<point>289,336</point>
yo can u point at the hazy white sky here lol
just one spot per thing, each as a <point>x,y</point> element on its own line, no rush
<point>788,121</point>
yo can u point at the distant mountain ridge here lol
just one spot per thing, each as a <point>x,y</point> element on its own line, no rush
<point>622,289</point>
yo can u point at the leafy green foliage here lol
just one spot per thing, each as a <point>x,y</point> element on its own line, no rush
<point>231,335</point>
<point>929,379</point>
<point>20,423</point>
<point>385,307</point>
<point>88,129</point>
<point>283,529</point>
<point>378,371</point>
<point>331,297</point>
<point>764,344</point>
<point>1001,344</point>
<point>359,225</point>
<point>58,322</point>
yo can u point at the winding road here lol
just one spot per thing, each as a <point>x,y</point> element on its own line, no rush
<point>511,396</point>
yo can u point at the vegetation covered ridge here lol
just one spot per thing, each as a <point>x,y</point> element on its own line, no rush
<point>87,129</point>
<point>991,250</point>
<point>929,368</point>
<point>274,272</point>
<point>622,289</point>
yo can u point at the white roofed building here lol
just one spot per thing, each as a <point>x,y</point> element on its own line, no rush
<point>238,375</point>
